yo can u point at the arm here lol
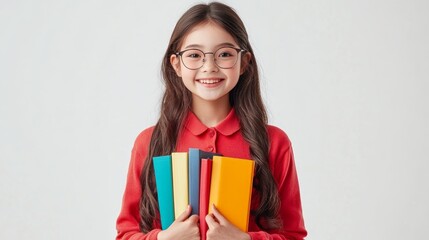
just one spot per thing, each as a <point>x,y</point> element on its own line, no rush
<point>282,164</point>
<point>290,209</point>
<point>127,224</point>
<point>290,213</point>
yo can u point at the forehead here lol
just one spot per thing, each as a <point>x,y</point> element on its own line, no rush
<point>208,35</point>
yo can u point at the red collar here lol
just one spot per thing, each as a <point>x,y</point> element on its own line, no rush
<point>226,127</point>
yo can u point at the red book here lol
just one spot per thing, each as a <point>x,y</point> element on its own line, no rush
<point>205,179</point>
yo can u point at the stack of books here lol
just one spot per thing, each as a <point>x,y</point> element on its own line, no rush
<point>202,179</point>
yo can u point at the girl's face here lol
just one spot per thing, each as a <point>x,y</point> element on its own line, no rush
<point>210,82</point>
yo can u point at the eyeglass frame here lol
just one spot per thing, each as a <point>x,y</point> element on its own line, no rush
<point>239,50</point>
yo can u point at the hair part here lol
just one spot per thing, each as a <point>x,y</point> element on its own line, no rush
<point>245,98</point>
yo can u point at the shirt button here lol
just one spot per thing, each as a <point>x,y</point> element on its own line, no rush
<point>211,148</point>
<point>212,133</point>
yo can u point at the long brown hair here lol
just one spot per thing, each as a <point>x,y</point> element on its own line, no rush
<point>245,98</point>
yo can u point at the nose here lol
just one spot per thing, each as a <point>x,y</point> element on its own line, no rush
<point>209,64</point>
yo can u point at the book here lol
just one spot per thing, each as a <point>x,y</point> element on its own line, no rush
<point>179,162</point>
<point>231,189</point>
<point>164,186</point>
<point>205,179</point>
<point>195,156</point>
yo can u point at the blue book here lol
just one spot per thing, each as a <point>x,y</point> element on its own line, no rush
<point>164,186</point>
<point>195,156</point>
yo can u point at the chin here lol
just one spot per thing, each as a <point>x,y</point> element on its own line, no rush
<point>210,98</point>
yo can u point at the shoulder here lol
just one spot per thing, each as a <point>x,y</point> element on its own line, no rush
<point>145,135</point>
<point>280,156</point>
<point>140,150</point>
<point>278,138</point>
<point>143,139</point>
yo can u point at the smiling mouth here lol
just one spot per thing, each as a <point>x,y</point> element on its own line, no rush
<point>209,81</point>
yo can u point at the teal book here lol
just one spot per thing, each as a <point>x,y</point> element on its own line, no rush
<point>195,156</point>
<point>164,186</point>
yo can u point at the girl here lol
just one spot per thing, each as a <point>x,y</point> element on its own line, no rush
<point>212,101</point>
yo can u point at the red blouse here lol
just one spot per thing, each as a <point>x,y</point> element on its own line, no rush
<point>226,139</point>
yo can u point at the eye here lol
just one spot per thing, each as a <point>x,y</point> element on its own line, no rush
<point>193,54</point>
<point>226,53</point>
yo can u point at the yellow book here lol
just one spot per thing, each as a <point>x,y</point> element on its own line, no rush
<point>231,189</point>
<point>179,162</point>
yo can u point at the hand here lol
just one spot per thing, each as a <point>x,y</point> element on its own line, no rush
<point>184,227</point>
<point>221,228</point>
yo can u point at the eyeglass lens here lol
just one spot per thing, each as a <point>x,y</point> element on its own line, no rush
<point>224,57</point>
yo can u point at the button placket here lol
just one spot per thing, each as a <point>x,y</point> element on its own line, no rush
<point>212,140</point>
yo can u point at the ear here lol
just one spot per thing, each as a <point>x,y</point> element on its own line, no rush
<point>245,59</point>
<point>175,63</point>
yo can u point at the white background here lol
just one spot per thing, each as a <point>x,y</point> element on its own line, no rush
<point>346,79</point>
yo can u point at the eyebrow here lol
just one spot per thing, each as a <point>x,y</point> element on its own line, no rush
<point>225,44</point>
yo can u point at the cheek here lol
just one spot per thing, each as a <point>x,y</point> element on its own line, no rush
<point>188,76</point>
<point>234,74</point>
<point>188,79</point>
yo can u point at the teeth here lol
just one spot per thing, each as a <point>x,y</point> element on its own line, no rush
<point>209,81</point>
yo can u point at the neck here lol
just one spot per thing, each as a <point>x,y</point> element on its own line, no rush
<point>211,113</point>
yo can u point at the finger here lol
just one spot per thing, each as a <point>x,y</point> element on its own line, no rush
<point>222,220</point>
<point>211,222</point>
<point>184,215</point>
<point>193,219</point>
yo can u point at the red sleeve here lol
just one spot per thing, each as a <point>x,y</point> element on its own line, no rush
<point>127,224</point>
<point>282,164</point>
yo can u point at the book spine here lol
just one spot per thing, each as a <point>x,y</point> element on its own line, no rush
<point>180,182</point>
<point>164,186</point>
<point>215,183</point>
<point>205,179</point>
<point>194,179</point>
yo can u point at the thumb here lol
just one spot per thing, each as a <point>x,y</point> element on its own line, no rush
<point>219,216</point>
<point>193,218</point>
<point>184,215</point>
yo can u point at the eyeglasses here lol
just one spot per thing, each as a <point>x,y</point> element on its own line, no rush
<point>225,57</point>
